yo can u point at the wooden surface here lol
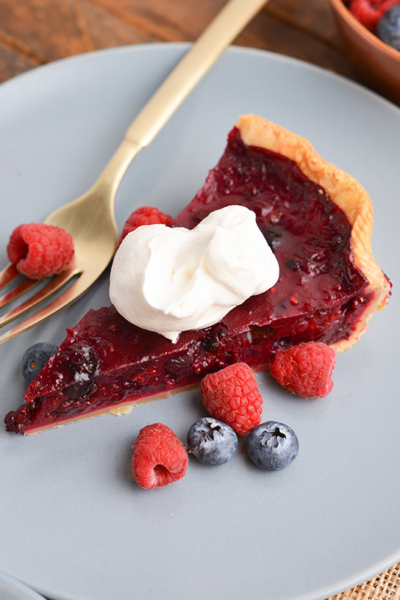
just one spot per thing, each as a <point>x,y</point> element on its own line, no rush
<point>35,32</point>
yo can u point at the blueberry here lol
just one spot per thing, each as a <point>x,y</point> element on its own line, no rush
<point>388,28</point>
<point>272,445</point>
<point>34,359</point>
<point>211,442</point>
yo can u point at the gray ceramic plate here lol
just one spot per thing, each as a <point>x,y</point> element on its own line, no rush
<point>74,525</point>
<point>12,589</point>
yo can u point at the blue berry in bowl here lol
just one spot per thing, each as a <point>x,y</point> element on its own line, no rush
<point>388,28</point>
<point>211,441</point>
<point>34,359</point>
<point>272,445</point>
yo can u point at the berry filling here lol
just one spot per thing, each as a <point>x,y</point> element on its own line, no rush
<point>105,361</point>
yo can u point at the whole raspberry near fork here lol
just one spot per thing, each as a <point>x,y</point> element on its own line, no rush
<point>39,250</point>
<point>145,215</point>
<point>305,369</point>
<point>232,396</point>
<point>159,457</point>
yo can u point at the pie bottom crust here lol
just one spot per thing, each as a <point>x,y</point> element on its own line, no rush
<point>123,408</point>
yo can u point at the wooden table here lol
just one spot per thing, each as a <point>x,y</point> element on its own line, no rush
<point>35,32</point>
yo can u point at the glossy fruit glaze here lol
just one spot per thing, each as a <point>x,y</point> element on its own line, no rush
<point>105,361</point>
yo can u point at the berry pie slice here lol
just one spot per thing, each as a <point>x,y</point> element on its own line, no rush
<point>318,222</point>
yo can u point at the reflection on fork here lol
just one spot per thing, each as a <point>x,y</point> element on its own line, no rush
<point>90,220</point>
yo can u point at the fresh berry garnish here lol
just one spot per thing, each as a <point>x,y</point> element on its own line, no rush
<point>39,250</point>
<point>211,441</point>
<point>159,458</point>
<point>232,396</point>
<point>272,445</point>
<point>145,215</point>
<point>305,369</point>
<point>369,12</point>
<point>388,28</point>
<point>34,359</point>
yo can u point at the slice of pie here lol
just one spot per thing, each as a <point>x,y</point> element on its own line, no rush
<point>318,222</point>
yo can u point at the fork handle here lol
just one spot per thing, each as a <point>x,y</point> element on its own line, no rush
<point>213,41</point>
<point>194,65</point>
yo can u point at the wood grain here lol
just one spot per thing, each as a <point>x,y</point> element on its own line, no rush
<point>40,31</point>
<point>167,19</point>
<point>51,30</point>
<point>270,33</point>
<point>14,62</point>
<point>314,17</point>
<point>107,31</point>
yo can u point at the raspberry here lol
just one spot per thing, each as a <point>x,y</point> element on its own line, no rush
<point>40,250</point>
<point>232,396</point>
<point>368,12</point>
<point>146,215</point>
<point>305,369</point>
<point>159,458</point>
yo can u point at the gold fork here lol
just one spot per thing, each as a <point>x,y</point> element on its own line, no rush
<point>90,219</point>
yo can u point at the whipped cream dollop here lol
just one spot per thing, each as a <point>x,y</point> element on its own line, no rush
<point>170,280</point>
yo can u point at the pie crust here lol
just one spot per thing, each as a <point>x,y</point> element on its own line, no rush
<point>343,190</point>
<point>334,185</point>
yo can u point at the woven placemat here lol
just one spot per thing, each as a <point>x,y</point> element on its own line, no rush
<point>385,586</point>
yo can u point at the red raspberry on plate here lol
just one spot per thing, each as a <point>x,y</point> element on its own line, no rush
<point>305,369</point>
<point>232,396</point>
<point>39,250</point>
<point>146,215</point>
<point>159,458</point>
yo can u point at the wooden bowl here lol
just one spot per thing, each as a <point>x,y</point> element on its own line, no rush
<point>377,62</point>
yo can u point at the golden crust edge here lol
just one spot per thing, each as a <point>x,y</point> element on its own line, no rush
<point>343,189</point>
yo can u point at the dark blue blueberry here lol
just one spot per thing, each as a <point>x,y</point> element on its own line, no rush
<point>211,442</point>
<point>388,28</point>
<point>272,445</point>
<point>34,359</point>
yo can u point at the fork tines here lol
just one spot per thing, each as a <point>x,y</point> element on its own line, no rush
<point>9,275</point>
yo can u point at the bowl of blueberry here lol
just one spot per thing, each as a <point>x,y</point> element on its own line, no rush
<point>370,30</point>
